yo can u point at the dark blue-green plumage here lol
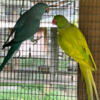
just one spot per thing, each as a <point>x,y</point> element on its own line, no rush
<point>26,26</point>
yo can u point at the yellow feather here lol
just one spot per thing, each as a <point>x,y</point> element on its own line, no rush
<point>88,77</point>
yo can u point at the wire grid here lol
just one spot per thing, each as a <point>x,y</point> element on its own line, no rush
<point>40,70</point>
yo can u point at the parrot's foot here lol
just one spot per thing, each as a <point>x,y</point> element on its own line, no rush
<point>36,40</point>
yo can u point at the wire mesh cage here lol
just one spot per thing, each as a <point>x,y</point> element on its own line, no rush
<point>39,70</point>
<point>89,24</point>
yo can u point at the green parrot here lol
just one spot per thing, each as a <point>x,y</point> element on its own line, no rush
<point>72,41</point>
<point>26,26</point>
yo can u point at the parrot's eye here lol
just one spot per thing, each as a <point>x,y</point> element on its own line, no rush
<point>54,21</point>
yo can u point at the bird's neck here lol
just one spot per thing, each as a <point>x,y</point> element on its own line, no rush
<point>64,25</point>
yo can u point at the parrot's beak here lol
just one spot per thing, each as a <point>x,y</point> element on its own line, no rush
<point>54,21</point>
<point>47,9</point>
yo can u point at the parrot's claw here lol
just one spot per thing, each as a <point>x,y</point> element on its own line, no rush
<point>36,40</point>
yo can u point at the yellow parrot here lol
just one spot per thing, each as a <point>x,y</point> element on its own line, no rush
<point>73,42</point>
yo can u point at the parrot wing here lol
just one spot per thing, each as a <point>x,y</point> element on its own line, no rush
<point>80,37</point>
<point>76,44</point>
<point>29,28</point>
<point>27,31</point>
<point>67,45</point>
<point>20,22</point>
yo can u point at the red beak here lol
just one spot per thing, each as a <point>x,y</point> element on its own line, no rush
<point>54,21</point>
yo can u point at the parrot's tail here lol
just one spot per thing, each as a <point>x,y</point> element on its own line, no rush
<point>9,55</point>
<point>88,77</point>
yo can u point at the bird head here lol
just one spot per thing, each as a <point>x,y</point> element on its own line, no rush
<point>39,9</point>
<point>43,7</point>
<point>59,20</point>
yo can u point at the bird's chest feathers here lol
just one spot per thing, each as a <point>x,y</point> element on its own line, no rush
<point>63,41</point>
<point>67,41</point>
<point>64,36</point>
